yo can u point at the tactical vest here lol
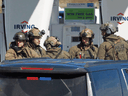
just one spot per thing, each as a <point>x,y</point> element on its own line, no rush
<point>37,49</point>
<point>87,54</point>
<point>21,52</point>
<point>55,55</point>
<point>119,51</point>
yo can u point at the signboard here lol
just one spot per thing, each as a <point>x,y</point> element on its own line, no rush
<point>80,5</point>
<point>84,15</point>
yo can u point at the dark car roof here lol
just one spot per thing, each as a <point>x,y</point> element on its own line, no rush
<point>64,65</point>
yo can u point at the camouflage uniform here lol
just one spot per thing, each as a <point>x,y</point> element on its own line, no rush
<point>35,32</point>
<point>11,54</point>
<point>18,53</point>
<point>80,52</point>
<point>53,51</point>
<point>84,51</point>
<point>38,49</point>
<point>24,52</point>
<point>109,50</point>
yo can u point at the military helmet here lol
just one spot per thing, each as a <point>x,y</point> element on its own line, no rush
<point>35,32</point>
<point>19,36</point>
<point>52,42</point>
<point>109,28</point>
<point>87,33</point>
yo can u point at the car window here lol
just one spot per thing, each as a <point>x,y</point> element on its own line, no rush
<point>125,72</point>
<point>106,83</point>
<point>42,85</point>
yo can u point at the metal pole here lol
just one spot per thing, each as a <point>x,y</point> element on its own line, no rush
<point>3,8</point>
<point>101,19</point>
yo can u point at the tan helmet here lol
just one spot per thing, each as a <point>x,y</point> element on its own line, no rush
<point>52,42</point>
<point>109,28</point>
<point>35,32</point>
<point>19,36</point>
<point>87,33</point>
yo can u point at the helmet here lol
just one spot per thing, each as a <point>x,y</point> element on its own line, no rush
<point>19,36</point>
<point>109,28</point>
<point>35,32</point>
<point>52,42</point>
<point>87,33</point>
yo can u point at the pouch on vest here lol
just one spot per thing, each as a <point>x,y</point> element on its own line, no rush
<point>119,50</point>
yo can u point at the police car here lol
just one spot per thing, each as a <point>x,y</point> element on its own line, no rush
<point>62,77</point>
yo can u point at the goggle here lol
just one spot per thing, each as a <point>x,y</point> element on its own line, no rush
<point>57,38</point>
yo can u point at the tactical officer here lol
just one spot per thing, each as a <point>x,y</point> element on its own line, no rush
<point>114,47</point>
<point>18,48</point>
<point>86,49</point>
<point>34,36</point>
<point>53,51</point>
